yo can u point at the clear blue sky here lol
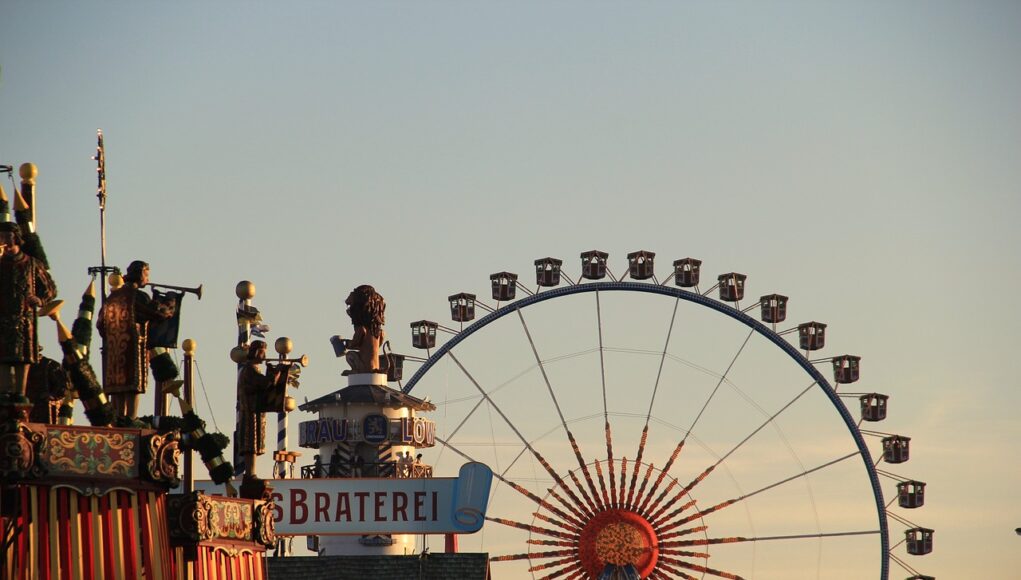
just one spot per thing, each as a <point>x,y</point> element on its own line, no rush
<point>862,157</point>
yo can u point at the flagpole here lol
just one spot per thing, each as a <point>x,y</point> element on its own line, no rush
<point>100,159</point>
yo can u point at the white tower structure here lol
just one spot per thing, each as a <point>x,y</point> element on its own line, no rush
<point>367,430</point>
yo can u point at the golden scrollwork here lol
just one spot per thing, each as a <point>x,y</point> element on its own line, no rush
<point>92,453</point>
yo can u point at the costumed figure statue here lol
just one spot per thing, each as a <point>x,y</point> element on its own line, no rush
<point>25,286</point>
<point>124,325</point>
<point>250,435</point>
<point>367,310</point>
<point>75,345</point>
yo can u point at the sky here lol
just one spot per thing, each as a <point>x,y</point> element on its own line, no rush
<point>860,157</point>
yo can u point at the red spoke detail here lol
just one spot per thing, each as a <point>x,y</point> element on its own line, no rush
<point>557,522</point>
<point>638,464</point>
<point>588,500</point>
<point>702,555</point>
<point>678,534</point>
<point>662,474</point>
<point>698,568</point>
<point>623,476</point>
<point>689,487</point>
<point>666,491</point>
<point>641,490</point>
<point>554,563</point>
<point>531,555</point>
<point>703,542</point>
<point>530,528</point>
<point>569,505</point>
<point>543,503</point>
<point>579,573</point>
<point>602,485</point>
<point>696,515</point>
<point>661,521</point>
<point>585,471</point>
<point>556,477</point>
<point>573,570</point>
<point>550,542</point>
<point>609,465</point>
<point>666,566</point>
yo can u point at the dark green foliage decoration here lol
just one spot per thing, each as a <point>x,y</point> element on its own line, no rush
<point>81,329</point>
<point>163,367</point>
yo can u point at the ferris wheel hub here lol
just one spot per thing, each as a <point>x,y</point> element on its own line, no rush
<point>618,537</point>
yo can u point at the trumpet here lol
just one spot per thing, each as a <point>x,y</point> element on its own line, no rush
<point>196,291</point>
<point>302,360</point>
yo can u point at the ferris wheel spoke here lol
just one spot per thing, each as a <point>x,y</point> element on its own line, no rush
<point>533,528</point>
<point>594,504</point>
<point>563,543</point>
<point>606,417</point>
<point>641,490</point>
<point>663,525</point>
<point>538,500</point>
<point>545,518</point>
<point>685,553</point>
<point>570,572</point>
<point>679,533</point>
<point>554,564</point>
<point>741,539</point>
<point>532,555</point>
<point>659,479</point>
<point>662,574</point>
<point>660,523</point>
<point>538,456</point>
<point>723,377</point>
<point>668,566</point>
<point>645,430</point>
<point>698,568</point>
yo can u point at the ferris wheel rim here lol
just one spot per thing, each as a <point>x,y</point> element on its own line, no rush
<point>722,308</point>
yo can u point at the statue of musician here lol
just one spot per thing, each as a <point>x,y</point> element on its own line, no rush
<point>250,434</point>
<point>367,310</point>
<point>123,324</point>
<point>25,285</point>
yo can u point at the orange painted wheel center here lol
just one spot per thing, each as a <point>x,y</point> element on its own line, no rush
<point>618,537</point>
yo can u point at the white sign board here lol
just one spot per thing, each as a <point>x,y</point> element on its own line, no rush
<point>360,506</point>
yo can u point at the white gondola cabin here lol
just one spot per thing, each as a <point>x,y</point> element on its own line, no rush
<point>593,264</point>
<point>462,307</point>
<point>812,335</point>
<point>773,308</point>
<point>505,285</point>
<point>423,334</point>
<point>896,448</point>
<point>911,494</point>
<point>641,264</point>
<point>846,368</point>
<point>731,286</point>
<point>686,272</point>
<point>918,541</point>
<point>873,406</point>
<point>547,271</point>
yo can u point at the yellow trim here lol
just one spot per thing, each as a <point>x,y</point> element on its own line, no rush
<point>137,519</point>
<point>76,537</point>
<point>97,538</point>
<point>160,549</point>
<point>32,566</point>
<point>117,531</point>
<point>54,536</point>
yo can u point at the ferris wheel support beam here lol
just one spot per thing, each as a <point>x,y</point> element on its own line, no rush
<point>722,308</point>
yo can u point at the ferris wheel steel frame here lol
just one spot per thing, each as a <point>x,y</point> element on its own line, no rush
<point>718,306</point>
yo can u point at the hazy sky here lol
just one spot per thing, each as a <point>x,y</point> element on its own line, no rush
<point>860,157</point>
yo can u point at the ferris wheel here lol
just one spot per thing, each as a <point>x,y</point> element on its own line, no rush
<point>640,428</point>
